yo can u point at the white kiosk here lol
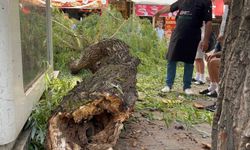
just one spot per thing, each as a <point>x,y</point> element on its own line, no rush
<point>25,56</point>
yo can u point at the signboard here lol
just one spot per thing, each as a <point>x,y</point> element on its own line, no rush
<point>148,10</point>
<point>170,24</point>
<point>80,4</point>
<point>218,7</point>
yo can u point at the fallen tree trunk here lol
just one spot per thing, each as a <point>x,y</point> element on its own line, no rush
<point>111,51</point>
<point>91,116</point>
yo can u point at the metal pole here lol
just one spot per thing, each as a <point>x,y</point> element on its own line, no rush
<point>133,17</point>
<point>49,33</point>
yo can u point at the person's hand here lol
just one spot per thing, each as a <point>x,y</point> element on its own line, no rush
<point>210,57</point>
<point>204,45</point>
<point>220,38</point>
<point>207,55</point>
<point>157,15</point>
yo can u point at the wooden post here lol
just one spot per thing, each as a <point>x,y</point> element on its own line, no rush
<point>133,10</point>
<point>153,22</point>
<point>133,16</point>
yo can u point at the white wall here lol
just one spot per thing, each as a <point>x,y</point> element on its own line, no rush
<point>7,104</point>
<point>15,104</point>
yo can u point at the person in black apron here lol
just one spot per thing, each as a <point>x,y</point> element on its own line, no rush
<point>186,37</point>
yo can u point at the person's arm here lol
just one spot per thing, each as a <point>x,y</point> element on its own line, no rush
<point>224,20</point>
<point>207,16</point>
<point>210,55</point>
<point>216,54</point>
<point>167,9</point>
<point>208,30</point>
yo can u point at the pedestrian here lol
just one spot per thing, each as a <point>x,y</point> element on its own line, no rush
<point>199,78</point>
<point>213,59</point>
<point>160,32</point>
<point>186,37</point>
<point>199,63</point>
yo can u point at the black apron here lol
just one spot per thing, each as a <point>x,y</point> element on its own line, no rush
<point>187,34</point>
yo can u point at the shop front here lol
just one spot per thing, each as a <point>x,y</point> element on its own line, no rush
<point>80,8</point>
<point>147,9</point>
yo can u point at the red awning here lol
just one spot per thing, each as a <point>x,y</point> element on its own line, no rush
<point>80,4</point>
<point>147,10</point>
<point>150,10</point>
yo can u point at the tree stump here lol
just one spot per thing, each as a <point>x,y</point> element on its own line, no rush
<point>91,116</point>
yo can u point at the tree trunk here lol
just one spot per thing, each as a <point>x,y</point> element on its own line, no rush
<point>106,52</point>
<point>231,126</point>
<point>91,115</point>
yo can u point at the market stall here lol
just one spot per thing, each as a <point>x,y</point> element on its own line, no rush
<point>147,8</point>
<point>125,7</point>
<point>79,8</point>
<point>80,4</point>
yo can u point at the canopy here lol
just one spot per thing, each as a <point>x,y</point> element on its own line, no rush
<point>150,7</point>
<point>155,2</point>
<point>80,4</point>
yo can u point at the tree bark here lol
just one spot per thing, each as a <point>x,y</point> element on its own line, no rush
<point>231,126</point>
<point>91,115</point>
<point>112,51</point>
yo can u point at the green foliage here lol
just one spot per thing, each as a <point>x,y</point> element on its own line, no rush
<point>54,92</point>
<point>65,34</point>
<point>70,42</point>
<point>188,114</point>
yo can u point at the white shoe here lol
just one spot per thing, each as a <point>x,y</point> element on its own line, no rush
<point>199,82</point>
<point>166,89</point>
<point>188,92</point>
